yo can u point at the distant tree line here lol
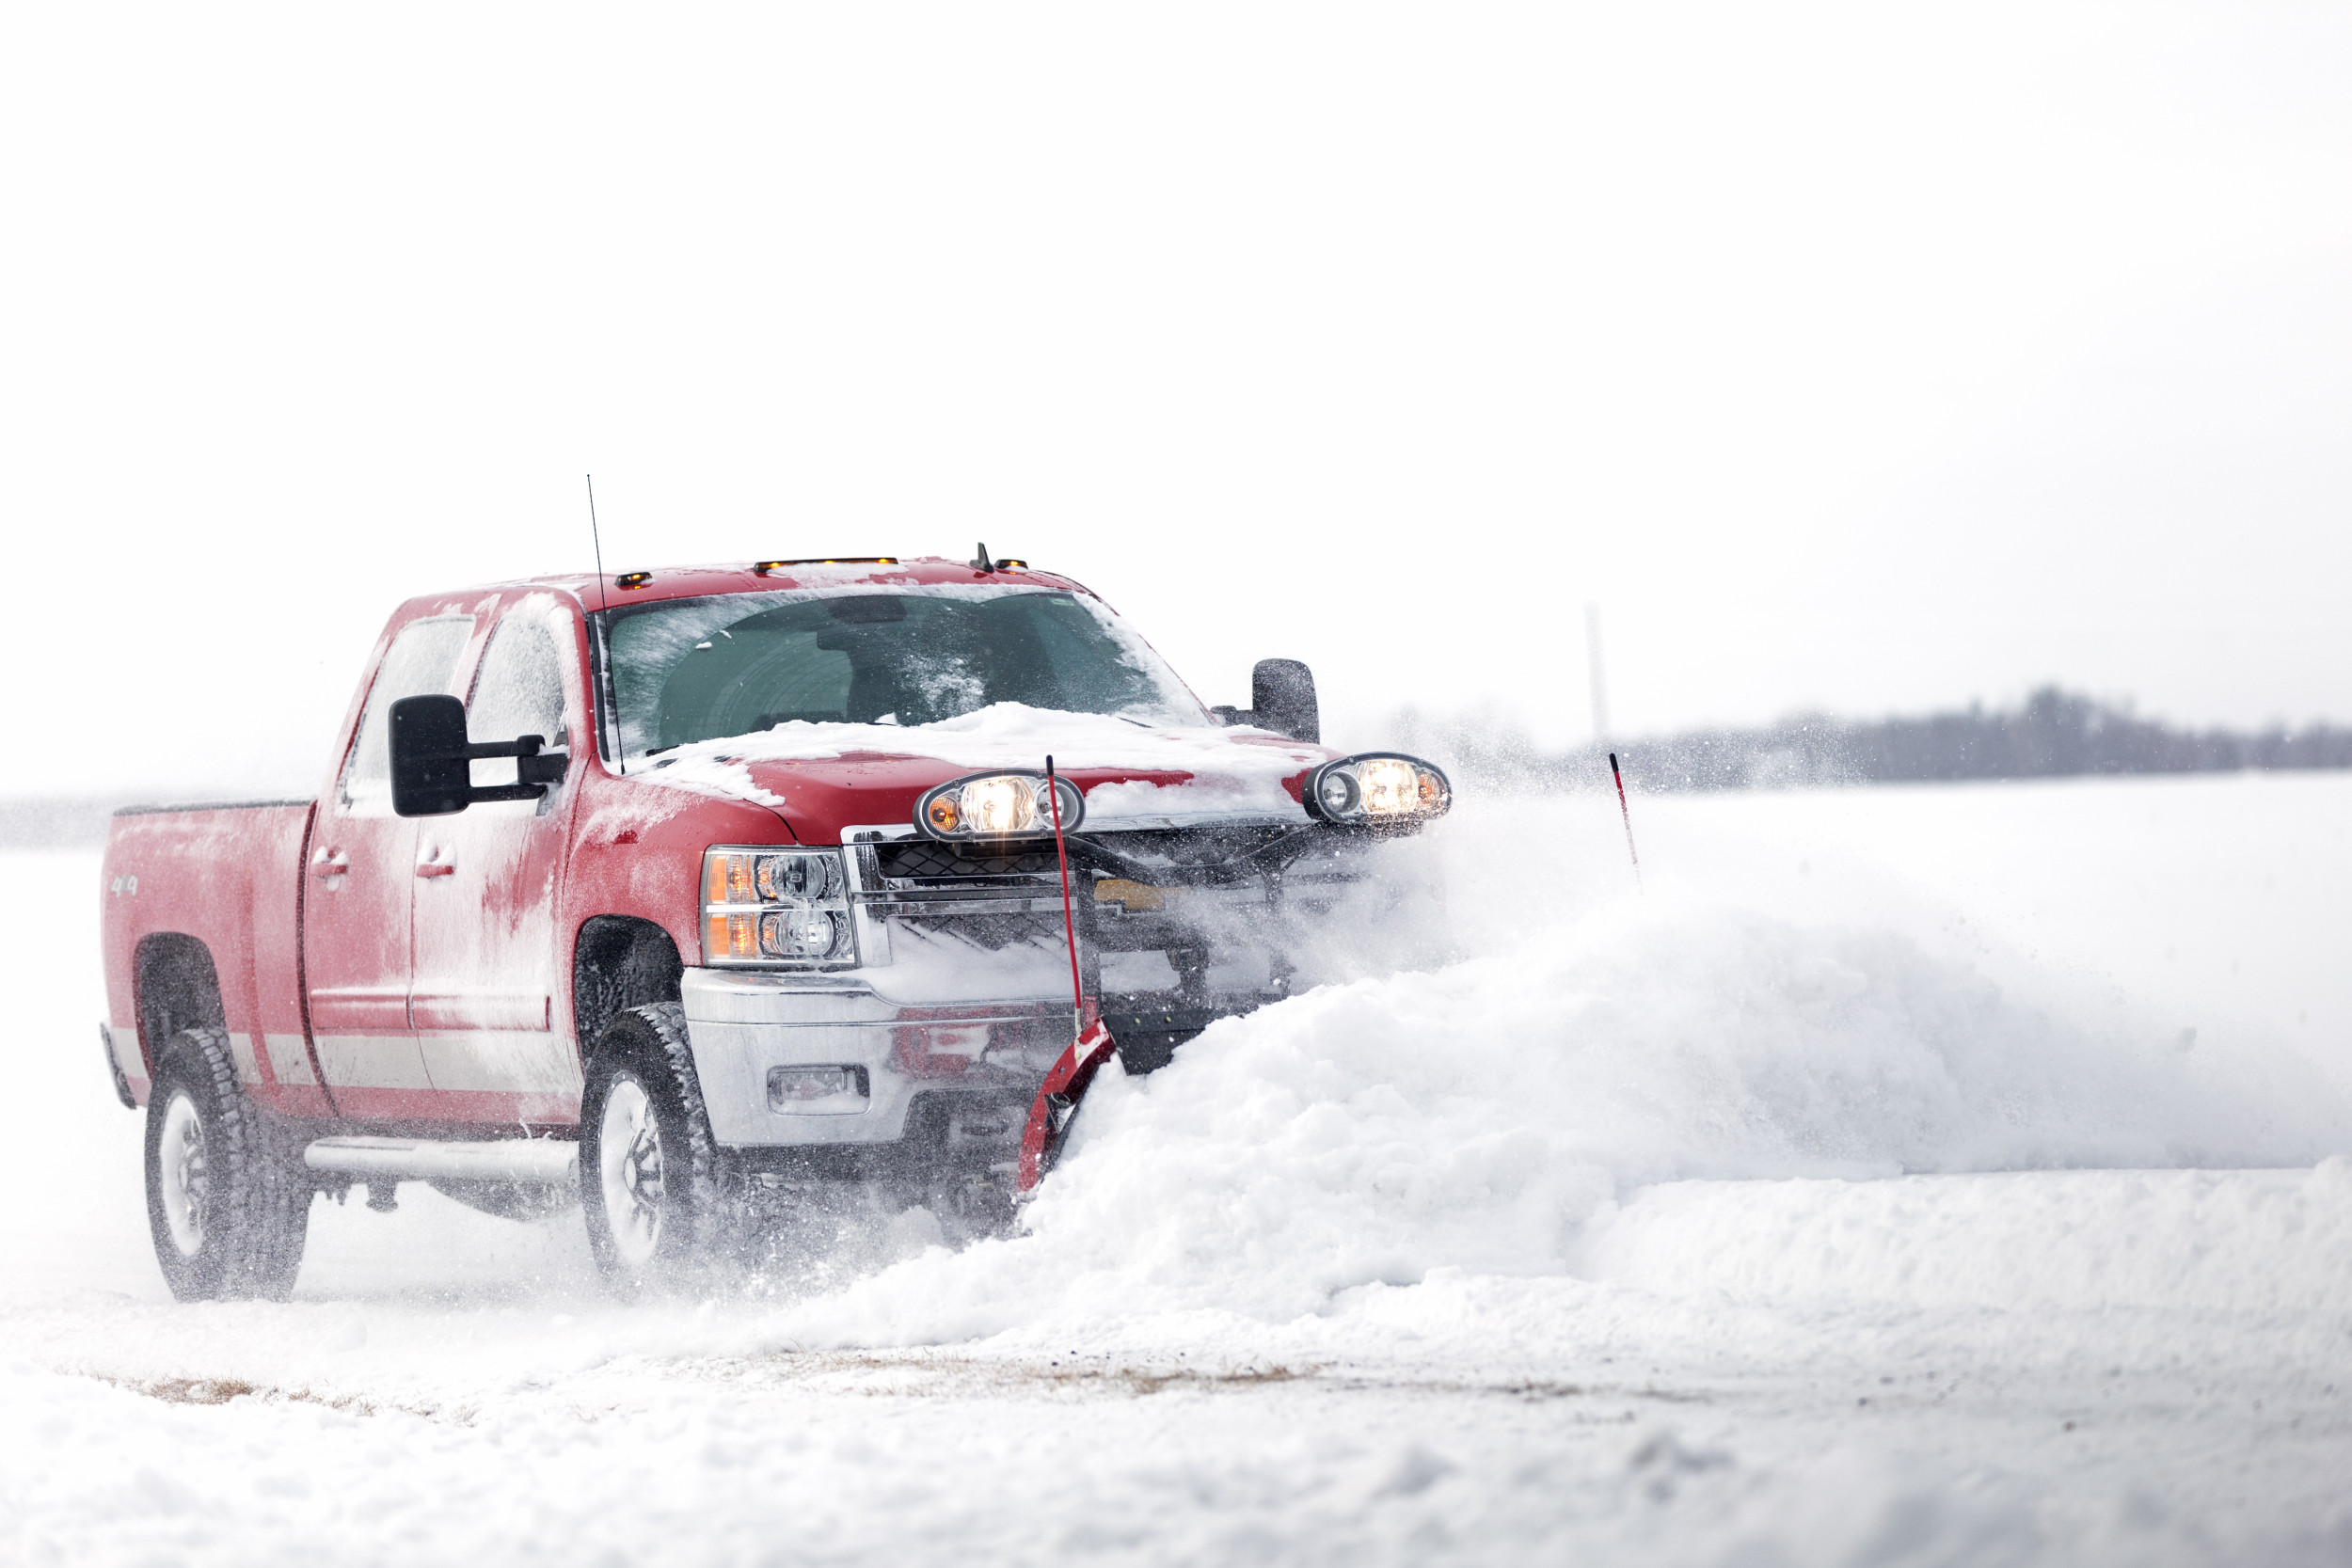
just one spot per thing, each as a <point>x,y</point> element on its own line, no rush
<point>2052,734</point>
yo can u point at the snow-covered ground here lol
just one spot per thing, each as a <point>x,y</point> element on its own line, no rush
<point>1911,1175</point>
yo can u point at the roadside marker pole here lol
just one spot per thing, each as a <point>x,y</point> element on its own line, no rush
<point>1627,812</point>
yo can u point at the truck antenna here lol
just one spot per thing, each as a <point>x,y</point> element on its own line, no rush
<point>612,685</point>
<point>1626,812</point>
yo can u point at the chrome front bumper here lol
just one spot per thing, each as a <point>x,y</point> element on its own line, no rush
<point>742,1026</point>
<point>962,987</point>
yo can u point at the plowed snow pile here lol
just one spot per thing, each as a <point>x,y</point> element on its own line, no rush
<point>1811,1210</point>
<point>1480,1118</point>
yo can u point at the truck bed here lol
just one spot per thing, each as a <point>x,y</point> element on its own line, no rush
<point>192,895</point>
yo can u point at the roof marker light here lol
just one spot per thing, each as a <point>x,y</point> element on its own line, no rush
<point>632,580</point>
<point>761,568</point>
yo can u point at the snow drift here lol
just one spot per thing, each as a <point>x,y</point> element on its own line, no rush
<point>1602,1337</point>
<point>1478,1118</point>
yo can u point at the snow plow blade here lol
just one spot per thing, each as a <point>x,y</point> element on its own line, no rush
<point>1056,1105</point>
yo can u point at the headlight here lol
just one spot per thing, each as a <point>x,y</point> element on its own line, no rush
<point>775,906</point>
<point>1378,787</point>
<point>996,805</point>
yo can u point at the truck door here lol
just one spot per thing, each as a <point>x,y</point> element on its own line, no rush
<point>487,974</point>
<point>363,875</point>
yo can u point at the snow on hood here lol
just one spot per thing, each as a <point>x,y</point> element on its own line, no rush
<point>1238,771</point>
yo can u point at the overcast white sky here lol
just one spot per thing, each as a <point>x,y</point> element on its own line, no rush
<point>1868,359</point>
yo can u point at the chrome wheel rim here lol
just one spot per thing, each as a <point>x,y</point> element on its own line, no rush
<point>628,1148</point>
<point>186,1174</point>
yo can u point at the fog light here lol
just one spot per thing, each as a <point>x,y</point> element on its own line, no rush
<point>1004,805</point>
<point>817,1090</point>
<point>1378,790</point>
<point>996,805</point>
<point>1390,786</point>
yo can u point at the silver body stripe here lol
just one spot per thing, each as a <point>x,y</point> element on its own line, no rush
<point>372,1062</point>
<point>288,1059</point>
<point>532,1061</point>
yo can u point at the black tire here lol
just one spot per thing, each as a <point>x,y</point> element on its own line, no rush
<point>669,1214</point>
<point>228,1206</point>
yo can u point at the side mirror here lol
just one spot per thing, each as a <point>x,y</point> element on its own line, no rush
<point>1281,699</point>
<point>430,753</point>
<point>1283,692</point>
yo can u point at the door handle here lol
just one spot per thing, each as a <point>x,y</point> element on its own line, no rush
<point>435,868</point>
<point>330,864</point>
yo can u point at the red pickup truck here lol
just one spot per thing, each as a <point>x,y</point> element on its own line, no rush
<point>703,893</point>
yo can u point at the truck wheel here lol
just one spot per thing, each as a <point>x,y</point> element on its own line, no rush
<point>227,1207</point>
<point>660,1203</point>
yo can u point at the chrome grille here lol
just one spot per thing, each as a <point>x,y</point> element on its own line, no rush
<point>917,858</point>
<point>991,932</point>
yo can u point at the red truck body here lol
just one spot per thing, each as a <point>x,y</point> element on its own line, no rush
<point>447,975</point>
<point>334,995</point>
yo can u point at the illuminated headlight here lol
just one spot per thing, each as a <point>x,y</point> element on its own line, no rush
<point>996,805</point>
<point>772,906</point>
<point>1378,787</point>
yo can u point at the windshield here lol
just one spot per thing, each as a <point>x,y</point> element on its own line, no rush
<point>690,669</point>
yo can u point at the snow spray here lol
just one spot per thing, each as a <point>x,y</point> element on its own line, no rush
<point>1627,812</point>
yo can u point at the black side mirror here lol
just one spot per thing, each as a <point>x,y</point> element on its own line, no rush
<point>1283,690</point>
<point>430,752</point>
<point>1281,699</point>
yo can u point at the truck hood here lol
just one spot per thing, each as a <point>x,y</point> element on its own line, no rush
<point>826,779</point>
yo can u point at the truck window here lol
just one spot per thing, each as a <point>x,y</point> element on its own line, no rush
<point>421,661</point>
<point>518,691</point>
<point>691,670</point>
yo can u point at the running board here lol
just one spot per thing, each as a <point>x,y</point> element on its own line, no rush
<point>551,1162</point>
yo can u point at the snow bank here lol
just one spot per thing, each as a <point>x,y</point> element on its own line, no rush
<point>2258,1244</point>
<point>1584,1334</point>
<point>1477,1117</point>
